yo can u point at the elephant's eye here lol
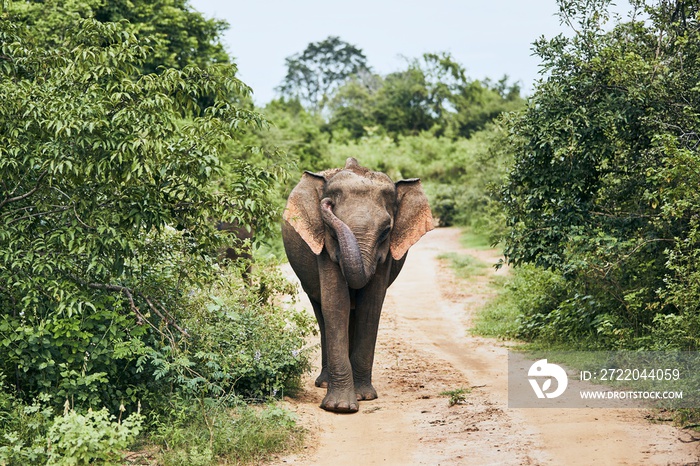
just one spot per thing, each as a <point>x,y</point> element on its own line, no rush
<point>385,234</point>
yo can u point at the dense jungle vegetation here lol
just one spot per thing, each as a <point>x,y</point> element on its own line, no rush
<point>125,136</point>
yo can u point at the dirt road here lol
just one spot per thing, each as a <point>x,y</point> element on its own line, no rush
<point>424,348</point>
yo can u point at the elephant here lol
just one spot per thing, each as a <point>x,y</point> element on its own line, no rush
<point>346,232</point>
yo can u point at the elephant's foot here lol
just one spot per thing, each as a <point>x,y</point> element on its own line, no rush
<point>365,391</point>
<point>322,379</point>
<point>340,401</point>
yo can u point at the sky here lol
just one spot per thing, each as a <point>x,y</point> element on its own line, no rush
<point>488,38</point>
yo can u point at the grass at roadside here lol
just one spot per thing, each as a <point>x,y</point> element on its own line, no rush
<point>505,316</point>
<point>241,436</point>
<point>464,265</point>
<point>499,317</point>
<point>472,240</point>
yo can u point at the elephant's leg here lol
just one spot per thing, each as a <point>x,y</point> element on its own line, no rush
<point>322,379</point>
<point>368,308</point>
<point>335,309</point>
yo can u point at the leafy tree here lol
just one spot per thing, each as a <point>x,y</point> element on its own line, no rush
<point>176,35</point>
<point>180,35</point>
<point>352,105</point>
<point>320,69</point>
<point>604,186</point>
<point>403,103</point>
<point>444,79</point>
<point>105,203</point>
<point>478,103</point>
<point>462,106</point>
<point>295,131</point>
<point>111,292</point>
<point>432,93</point>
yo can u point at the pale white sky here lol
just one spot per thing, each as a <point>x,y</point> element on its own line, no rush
<point>489,38</point>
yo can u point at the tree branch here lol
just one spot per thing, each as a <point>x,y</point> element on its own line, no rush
<point>75,211</point>
<point>168,321</point>
<point>25,195</point>
<point>129,293</point>
<point>39,214</point>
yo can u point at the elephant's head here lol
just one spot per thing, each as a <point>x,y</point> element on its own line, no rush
<point>359,216</point>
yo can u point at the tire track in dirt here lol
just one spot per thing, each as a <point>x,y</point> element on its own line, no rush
<point>423,349</point>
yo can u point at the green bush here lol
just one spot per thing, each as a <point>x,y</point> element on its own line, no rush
<point>241,347</point>
<point>448,203</point>
<point>603,190</point>
<point>23,428</point>
<point>544,307</point>
<point>106,205</point>
<point>242,343</point>
<point>537,305</point>
<point>111,292</point>
<point>34,434</point>
<point>93,437</point>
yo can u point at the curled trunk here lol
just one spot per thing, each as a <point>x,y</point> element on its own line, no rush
<point>350,258</point>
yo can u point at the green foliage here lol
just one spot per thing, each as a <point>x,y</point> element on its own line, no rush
<point>77,439</point>
<point>124,138</point>
<point>351,107</point>
<point>528,294</point>
<point>179,35</point>
<point>241,343</point>
<point>32,434</point>
<point>542,306</point>
<point>457,396</point>
<point>241,435</point>
<point>101,165</point>
<point>402,103</point>
<point>431,94</point>
<point>604,187</point>
<point>24,428</point>
<point>240,348</point>
<point>323,66</point>
<point>176,35</point>
<point>295,131</point>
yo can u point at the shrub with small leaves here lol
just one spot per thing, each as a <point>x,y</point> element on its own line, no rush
<point>457,396</point>
<point>91,438</point>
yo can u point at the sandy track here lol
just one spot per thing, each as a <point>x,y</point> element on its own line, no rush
<point>424,348</point>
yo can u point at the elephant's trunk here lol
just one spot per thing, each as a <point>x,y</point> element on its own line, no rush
<point>350,255</point>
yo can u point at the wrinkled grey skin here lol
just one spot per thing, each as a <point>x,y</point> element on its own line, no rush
<point>346,233</point>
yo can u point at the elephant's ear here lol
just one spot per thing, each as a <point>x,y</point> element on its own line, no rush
<point>413,217</point>
<point>303,211</point>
